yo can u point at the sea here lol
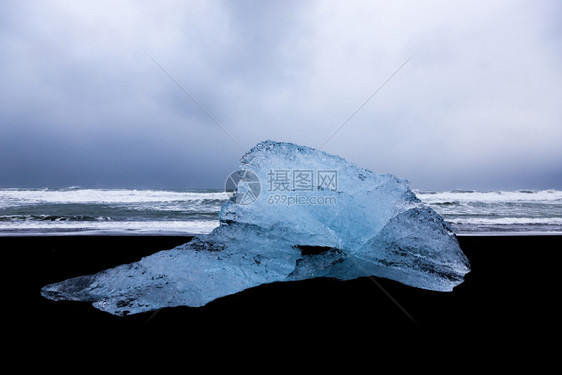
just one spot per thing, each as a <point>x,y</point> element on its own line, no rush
<point>82,211</point>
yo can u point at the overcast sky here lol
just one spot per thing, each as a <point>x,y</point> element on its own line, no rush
<point>478,106</point>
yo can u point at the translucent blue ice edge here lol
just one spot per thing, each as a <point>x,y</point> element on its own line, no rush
<point>350,223</point>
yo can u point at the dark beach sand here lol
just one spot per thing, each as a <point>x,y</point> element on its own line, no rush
<point>512,290</point>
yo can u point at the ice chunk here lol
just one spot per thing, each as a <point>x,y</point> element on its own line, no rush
<point>296,213</point>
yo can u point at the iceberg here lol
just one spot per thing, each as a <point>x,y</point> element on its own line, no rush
<point>295,213</point>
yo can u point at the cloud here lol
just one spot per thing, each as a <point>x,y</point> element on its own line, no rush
<point>82,103</point>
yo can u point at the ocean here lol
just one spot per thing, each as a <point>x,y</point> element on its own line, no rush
<point>80,211</point>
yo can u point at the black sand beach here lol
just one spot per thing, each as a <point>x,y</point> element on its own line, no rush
<point>512,289</point>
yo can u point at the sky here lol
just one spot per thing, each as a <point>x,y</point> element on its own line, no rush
<point>170,94</point>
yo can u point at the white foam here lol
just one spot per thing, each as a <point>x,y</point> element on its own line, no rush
<point>22,197</point>
<point>104,227</point>
<point>490,197</point>
<point>506,234</point>
<point>507,221</point>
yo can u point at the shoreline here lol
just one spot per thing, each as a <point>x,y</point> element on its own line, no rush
<point>191,235</point>
<point>507,234</point>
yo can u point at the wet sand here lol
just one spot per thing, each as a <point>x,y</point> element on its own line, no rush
<point>512,290</point>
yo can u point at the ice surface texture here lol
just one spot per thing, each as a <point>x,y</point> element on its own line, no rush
<point>297,213</point>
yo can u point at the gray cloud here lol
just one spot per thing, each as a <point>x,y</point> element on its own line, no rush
<point>81,103</point>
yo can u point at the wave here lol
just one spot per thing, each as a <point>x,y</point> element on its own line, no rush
<point>75,194</point>
<point>508,221</point>
<point>464,196</point>
<point>447,203</point>
<point>18,218</point>
<point>24,197</point>
<point>81,210</point>
<point>70,188</point>
<point>104,227</point>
